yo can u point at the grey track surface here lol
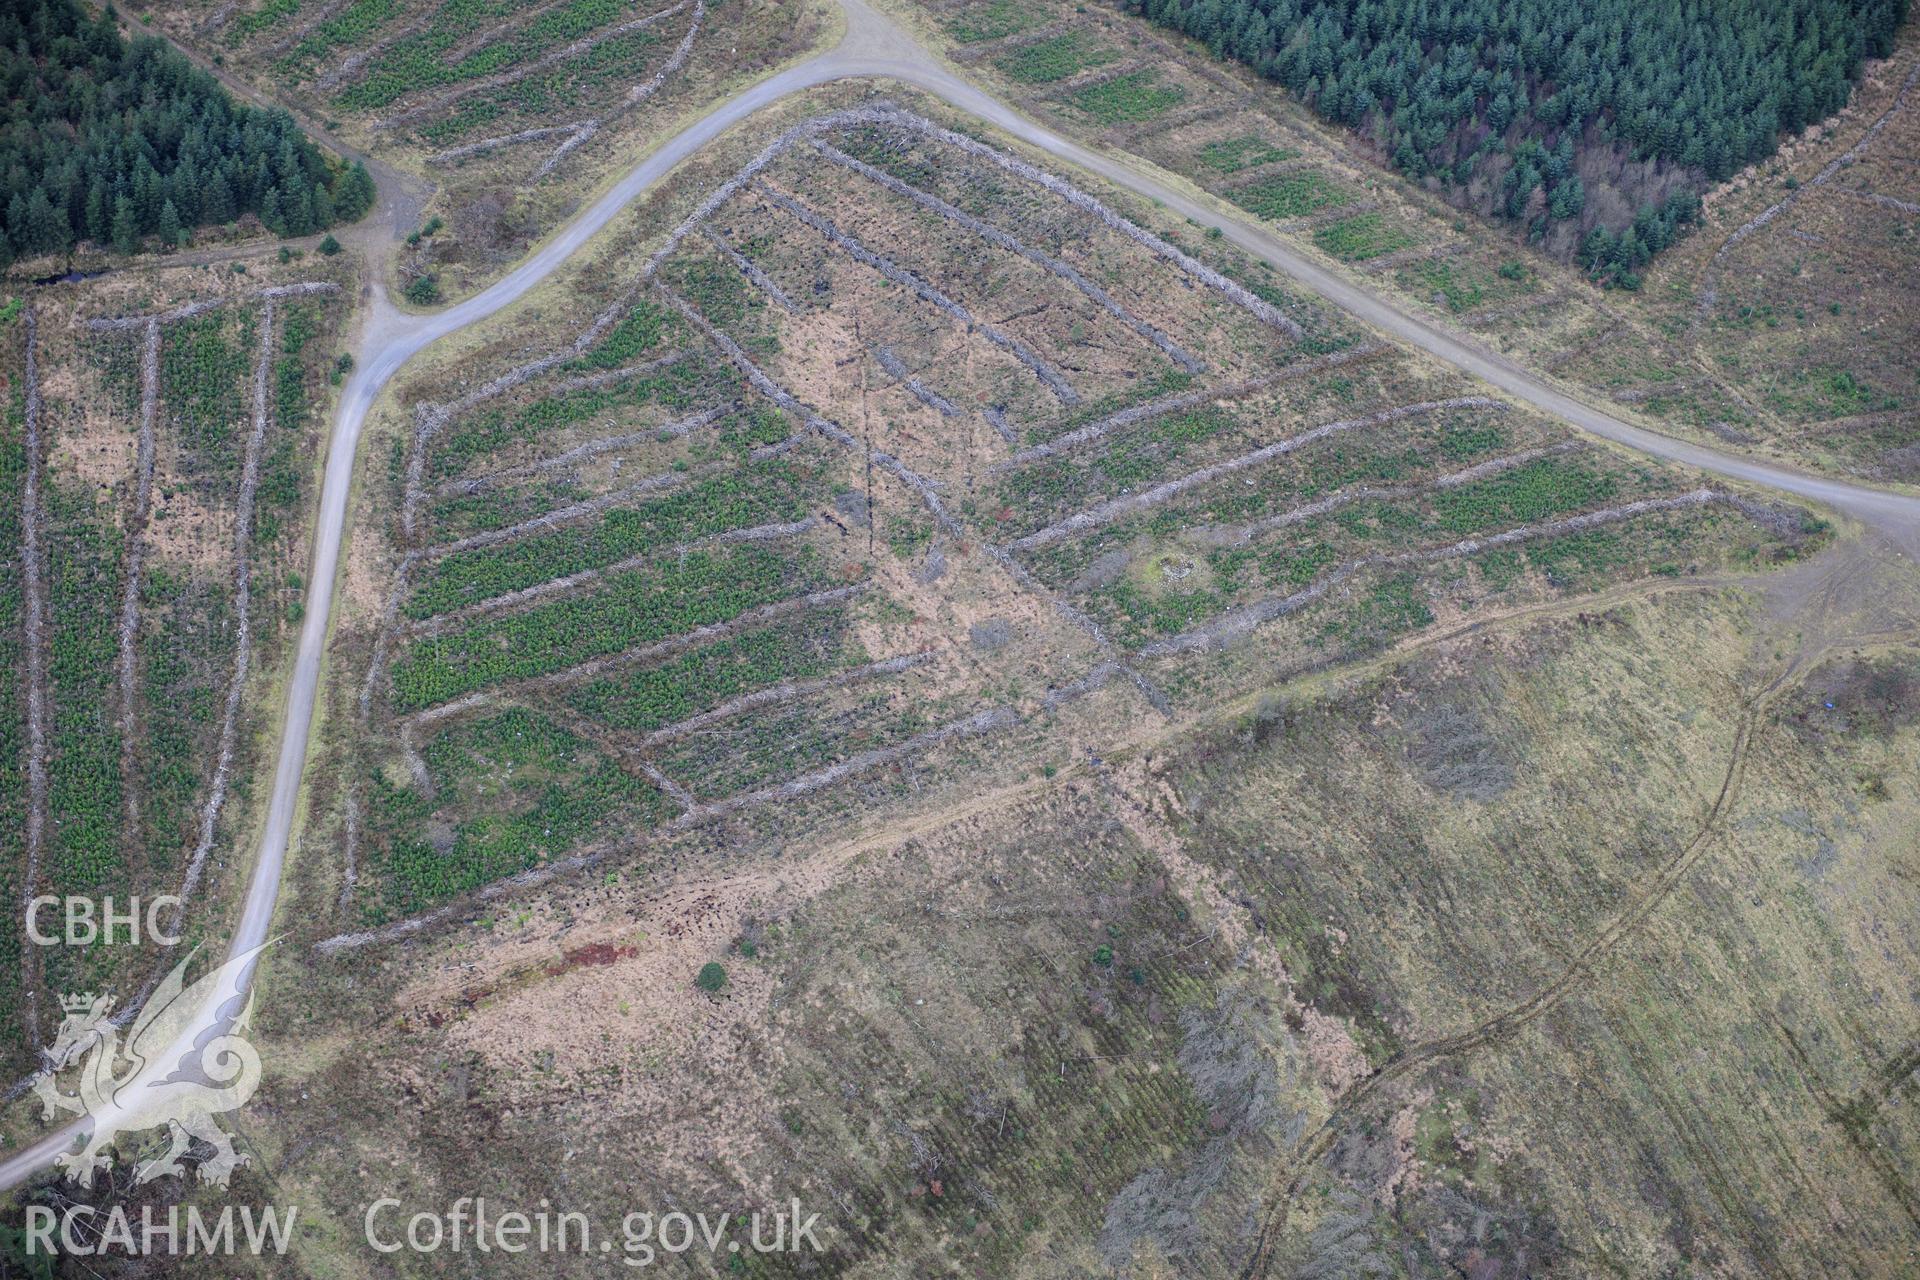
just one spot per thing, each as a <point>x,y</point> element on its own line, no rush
<point>874,47</point>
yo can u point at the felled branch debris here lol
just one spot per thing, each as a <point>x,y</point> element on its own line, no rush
<point>897,368</point>
<point>997,419</point>
<point>1902,206</point>
<point>1116,508</point>
<point>746,267</point>
<point>1709,292</point>
<point>1194,269</point>
<point>513,600</point>
<point>104,324</point>
<point>1051,377</point>
<point>995,236</point>
<point>39,704</point>
<point>584,44</point>
<point>242,608</point>
<point>484,145</point>
<point>784,692</point>
<point>1241,534</point>
<point>979,724</point>
<point>766,386</point>
<point>586,453</point>
<point>1234,623</point>
<point>1101,428</point>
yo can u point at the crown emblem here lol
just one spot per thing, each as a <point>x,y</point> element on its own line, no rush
<point>110,1074</point>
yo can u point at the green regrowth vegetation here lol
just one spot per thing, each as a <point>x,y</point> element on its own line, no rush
<point>1289,195</point>
<point>1828,392</point>
<point>205,367</point>
<point>540,94</point>
<point>1142,612</point>
<point>1045,61</point>
<point>185,649</point>
<point>715,289</point>
<point>712,978</point>
<point>1363,236</point>
<point>765,493</point>
<point>908,535</point>
<point>1462,286</point>
<point>992,21</point>
<point>1536,491</point>
<point>84,781</point>
<point>1460,441</point>
<point>1153,452</point>
<point>1545,489</point>
<point>521,791</point>
<point>637,333</point>
<point>418,62</point>
<point>1231,155</point>
<point>653,697</point>
<point>1394,606</point>
<point>479,437</point>
<point>268,14</point>
<point>1138,95</point>
<point>1175,589</point>
<point>350,25</point>
<point>1142,455</point>
<point>278,495</point>
<point>112,142</point>
<point>632,609</point>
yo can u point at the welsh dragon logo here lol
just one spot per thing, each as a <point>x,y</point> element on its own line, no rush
<point>144,1083</point>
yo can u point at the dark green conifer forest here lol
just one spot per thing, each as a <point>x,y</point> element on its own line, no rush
<point>1595,123</point>
<point>115,143</point>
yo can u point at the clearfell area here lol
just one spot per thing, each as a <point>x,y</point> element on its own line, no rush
<point>968,639</point>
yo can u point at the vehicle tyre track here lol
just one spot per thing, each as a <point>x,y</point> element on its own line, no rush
<point>1508,1022</point>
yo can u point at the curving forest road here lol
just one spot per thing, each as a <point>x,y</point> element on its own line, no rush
<point>873,47</point>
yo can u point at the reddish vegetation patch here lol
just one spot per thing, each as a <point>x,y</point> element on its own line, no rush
<point>593,955</point>
<point>598,953</point>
